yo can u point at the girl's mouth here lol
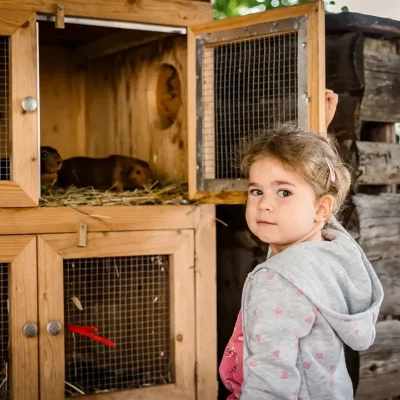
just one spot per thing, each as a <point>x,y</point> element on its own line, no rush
<point>262,222</point>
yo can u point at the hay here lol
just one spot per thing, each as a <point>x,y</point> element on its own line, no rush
<point>173,194</point>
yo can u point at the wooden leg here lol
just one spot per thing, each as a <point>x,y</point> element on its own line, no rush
<point>206,303</point>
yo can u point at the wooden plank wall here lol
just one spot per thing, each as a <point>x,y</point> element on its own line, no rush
<point>115,104</point>
<point>365,71</point>
<point>122,107</point>
<point>62,102</point>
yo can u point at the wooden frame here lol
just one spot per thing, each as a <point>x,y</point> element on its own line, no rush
<point>23,188</point>
<point>20,253</point>
<point>102,219</point>
<point>166,12</point>
<point>53,248</point>
<point>206,303</point>
<point>233,191</point>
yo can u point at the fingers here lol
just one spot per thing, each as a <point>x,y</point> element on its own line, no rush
<point>331,102</point>
<point>330,94</point>
<point>331,99</point>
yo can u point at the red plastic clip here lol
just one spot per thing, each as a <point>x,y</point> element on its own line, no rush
<point>84,331</point>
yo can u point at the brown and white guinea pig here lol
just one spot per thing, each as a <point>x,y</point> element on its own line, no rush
<point>115,171</point>
<point>50,163</point>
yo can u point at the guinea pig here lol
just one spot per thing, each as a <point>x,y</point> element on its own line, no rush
<point>50,160</point>
<point>131,173</point>
<point>50,163</point>
<point>113,172</point>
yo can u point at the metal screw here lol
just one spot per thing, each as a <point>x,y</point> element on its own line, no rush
<point>304,44</point>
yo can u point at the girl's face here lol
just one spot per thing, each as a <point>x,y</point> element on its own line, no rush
<point>281,206</point>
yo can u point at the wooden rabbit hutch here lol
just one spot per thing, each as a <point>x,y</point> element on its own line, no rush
<point>112,295</point>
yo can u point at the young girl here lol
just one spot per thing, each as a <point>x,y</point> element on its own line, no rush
<point>315,291</point>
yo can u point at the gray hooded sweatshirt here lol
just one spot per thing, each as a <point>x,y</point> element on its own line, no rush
<point>298,308</point>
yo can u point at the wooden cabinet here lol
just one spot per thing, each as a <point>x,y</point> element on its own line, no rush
<point>142,290</point>
<point>181,99</point>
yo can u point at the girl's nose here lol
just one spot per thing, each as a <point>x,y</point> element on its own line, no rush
<point>265,205</point>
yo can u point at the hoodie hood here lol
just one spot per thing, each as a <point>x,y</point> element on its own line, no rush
<point>339,280</point>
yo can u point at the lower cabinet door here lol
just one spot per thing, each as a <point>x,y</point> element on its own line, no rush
<point>117,315</point>
<point>19,376</point>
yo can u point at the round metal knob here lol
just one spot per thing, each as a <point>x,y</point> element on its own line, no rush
<point>30,330</point>
<point>54,328</point>
<point>29,104</point>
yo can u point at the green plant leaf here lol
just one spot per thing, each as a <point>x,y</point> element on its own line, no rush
<point>231,8</point>
<point>345,9</point>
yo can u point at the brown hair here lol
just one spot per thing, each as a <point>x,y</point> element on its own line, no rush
<point>304,152</point>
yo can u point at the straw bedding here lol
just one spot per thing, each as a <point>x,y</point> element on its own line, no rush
<point>53,196</point>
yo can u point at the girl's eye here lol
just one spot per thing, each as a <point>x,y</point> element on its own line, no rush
<point>284,193</point>
<point>256,192</point>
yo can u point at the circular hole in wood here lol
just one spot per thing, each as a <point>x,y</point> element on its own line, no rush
<point>168,95</point>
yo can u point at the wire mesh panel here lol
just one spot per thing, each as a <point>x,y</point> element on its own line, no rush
<point>4,335</point>
<point>124,300</point>
<point>248,81</point>
<point>5,172</point>
<point>255,87</point>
